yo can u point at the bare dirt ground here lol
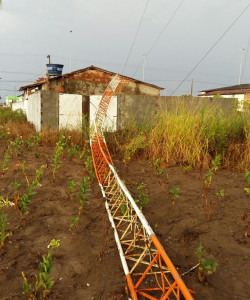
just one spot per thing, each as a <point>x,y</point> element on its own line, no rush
<point>87,264</point>
<point>181,227</point>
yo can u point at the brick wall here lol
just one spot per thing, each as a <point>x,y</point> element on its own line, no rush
<point>94,82</point>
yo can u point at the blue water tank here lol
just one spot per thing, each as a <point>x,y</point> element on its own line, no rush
<point>54,69</point>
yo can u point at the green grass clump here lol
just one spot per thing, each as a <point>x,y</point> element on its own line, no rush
<point>8,115</point>
<point>189,137</point>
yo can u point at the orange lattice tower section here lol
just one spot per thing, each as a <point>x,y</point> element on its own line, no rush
<point>148,269</point>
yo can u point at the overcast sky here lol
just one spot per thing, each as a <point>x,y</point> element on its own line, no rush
<point>104,30</point>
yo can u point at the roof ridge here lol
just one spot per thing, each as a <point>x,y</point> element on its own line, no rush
<point>92,67</point>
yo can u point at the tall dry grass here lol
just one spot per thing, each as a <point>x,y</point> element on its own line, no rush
<point>15,123</point>
<point>50,136</point>
<point>190,138</point>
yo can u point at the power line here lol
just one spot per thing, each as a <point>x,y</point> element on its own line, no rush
<point>22,73</point>
<point>9,90</point>
<point>135,36</point>
<point>21,54</point>
<point>211,48</point>
<point>159,36</point>
<point>175,80</point>
<point>16,81</point>
<point>245,58</point>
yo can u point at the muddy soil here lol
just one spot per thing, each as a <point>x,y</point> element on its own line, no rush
<point>181,227</point>
<point>87,264</point>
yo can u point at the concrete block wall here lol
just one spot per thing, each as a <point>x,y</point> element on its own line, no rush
<point>23,105</point>
<point>43,109</point>
<point>49,109</point>
<point>137,107</point>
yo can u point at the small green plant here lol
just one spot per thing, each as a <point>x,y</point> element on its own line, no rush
<point>57,158</point>
<point>187,169</point>
<point>74,223</point>
<point>3,234</point>
<point>29,143</point>
<point>33,140</point>
<point>37,138</point>
<point>175,194</point>
<point>37,154</point>
<point>3,216</point>
<point>89,166</point>
<point>64,141</point>
<point>221,194</point>
<point>216,162</point>
<point>24,172</point>
<point>5,161</point>
<point>39,173</point>
<point>4,133</point>
<point>126,156</point>
<point>207,183</point>
<point>70,188</point>
<point>123,208</point>
<point>157,167</point>
<point>58,153</point>
<point>207,267</point>
<point>74,151</point>
<point>134,145</point>
<point>25,200</point>
<point>143,198</point>
<point>247,176</point>
<point>84,192</point>
<point>16,192</point>
<point>44,280</point>
<point>17,185</point>
<point>18,145</point>
<point>248,191</point>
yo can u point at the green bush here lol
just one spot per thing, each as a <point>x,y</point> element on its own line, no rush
<point>16,116</point>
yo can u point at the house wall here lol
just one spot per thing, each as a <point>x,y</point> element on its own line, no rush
<point>70,111</point>
<point>136,107</point>
<point>240,98</point>
<point>23,105</point>
<point>94,82</point>
<point>49,109</point>
<point>43,108</point>
<point>34,110</point>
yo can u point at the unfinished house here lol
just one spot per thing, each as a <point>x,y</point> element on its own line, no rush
<point>61,101</point>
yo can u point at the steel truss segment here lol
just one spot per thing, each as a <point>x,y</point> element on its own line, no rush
<point>148,269</point>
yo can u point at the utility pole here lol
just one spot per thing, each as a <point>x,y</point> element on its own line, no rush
<point>143,67</point>
<point>70,50</point>
<point>192,85</point>
<point>241,55</point>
